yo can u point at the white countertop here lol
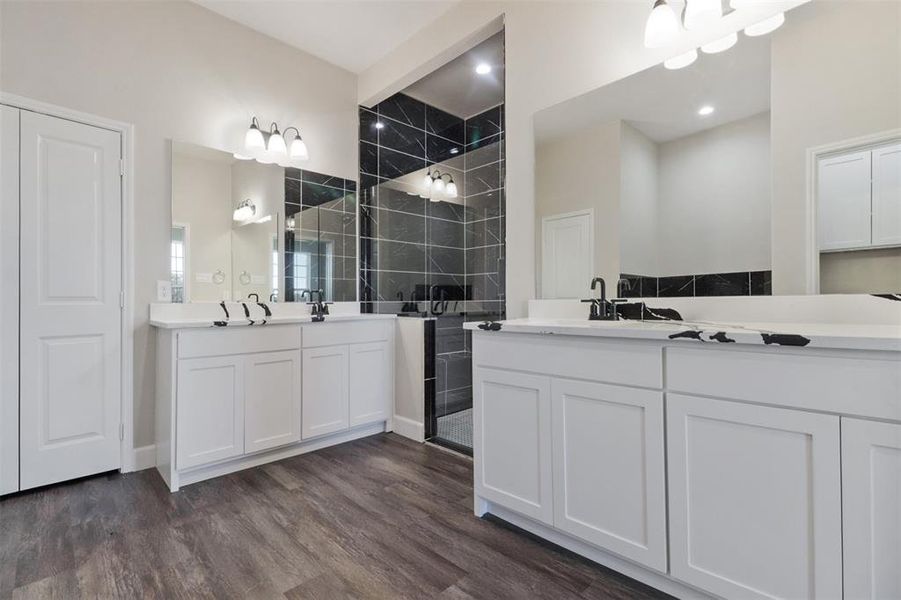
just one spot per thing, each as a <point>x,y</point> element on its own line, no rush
<point>242,322</point>
<point>820,335</point>
<point>205,314</point>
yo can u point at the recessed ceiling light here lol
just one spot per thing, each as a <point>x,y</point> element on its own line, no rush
<point>483,68</point>
<point>454,150</point>
<point>705,110</point>
<point>379,125</point>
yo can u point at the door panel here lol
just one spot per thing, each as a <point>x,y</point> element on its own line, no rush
<point>567,251</point>
<point>210,410</point>
<point>609,481</point>
<point>755,499</point>
<point>9,300</point>
<point>71,248</point>
<point>871,501</point>
<point>513,464</point>
<point>325,391</point>
<point>843,201</point>
<point>887,195</point>
<point>370,391</point>
<point>272,400</point>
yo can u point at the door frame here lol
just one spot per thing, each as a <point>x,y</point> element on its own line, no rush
<point>127,451</point>
<point>589,212</point>
<point>814,154</point>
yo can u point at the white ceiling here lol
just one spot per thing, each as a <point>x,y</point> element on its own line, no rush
<point>353,34</point>
<point>664,104</point>
<point>458,89</point>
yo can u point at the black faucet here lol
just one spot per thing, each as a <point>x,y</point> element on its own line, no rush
<point>255,296</point>
<point>601,308</point>
<point>319,308</point>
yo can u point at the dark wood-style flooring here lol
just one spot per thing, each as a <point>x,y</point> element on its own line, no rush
<point>381,517</point>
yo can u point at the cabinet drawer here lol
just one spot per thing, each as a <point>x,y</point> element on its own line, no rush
<point>867,386</point>
<point>347,332</point>
<point>627,362</point>
<point>238,340</point>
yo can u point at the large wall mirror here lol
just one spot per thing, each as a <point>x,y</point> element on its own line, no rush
<point>773,167</point>
<point>240,227</point>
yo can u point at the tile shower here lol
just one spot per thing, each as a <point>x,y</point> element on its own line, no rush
<point>438,260</point>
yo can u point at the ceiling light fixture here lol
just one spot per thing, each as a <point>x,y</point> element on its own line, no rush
<point>701,13</point>
<point>662,26</point>
<point>720,45</point>
<point>483,68</point>
<point>766,26</point>
<point>705,110</point>
<point>379,125</point>
<point>271,146</point>
<point>434,186</point>
<point>681,61</point>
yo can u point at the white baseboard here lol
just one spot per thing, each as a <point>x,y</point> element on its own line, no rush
<point>144,457</point>
<point>409,428</point>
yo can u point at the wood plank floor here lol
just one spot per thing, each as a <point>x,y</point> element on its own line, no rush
<point>381,517</point>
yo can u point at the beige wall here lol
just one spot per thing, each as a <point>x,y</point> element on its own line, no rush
<point>554,51</point>
<point>861,272</point>
<point>175,71</point>
<point>714,200</point>
<point>580,172</point>
<point>638,203</point>
<point>836,75</point>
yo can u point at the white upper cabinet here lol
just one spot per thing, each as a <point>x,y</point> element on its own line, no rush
<point>843,195</point>
<point>871,502</point>
<point>887,196</point>
<point>755,500</point>
<point>271,400</point>
<point>512,441</point>
<point>370,383</point>
<point>325,390</point>
<point>609,481</point>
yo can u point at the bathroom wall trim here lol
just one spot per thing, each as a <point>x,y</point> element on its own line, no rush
<point>409,428</point>
<point>126,131</point>
<point>813,156</point>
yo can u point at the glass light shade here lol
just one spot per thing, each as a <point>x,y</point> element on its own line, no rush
<point>253,139</point>
<point>241,156</point>
<point>662,26</point>
<point>766,26</point>
<point>451,189</point>
<point>277,143</point>
<point>720,45</point>
<point>299,149</point>
<point>701,13</point>
<point>438,185</point>
<point>244,212</point>
<point>427,181</point>
<point>681,61</point>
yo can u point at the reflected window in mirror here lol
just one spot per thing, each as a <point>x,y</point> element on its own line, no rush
<point>177,263</point>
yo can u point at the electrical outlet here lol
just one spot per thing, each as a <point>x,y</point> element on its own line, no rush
<point>163,291</point>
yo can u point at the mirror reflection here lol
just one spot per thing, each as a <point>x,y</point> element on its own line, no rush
<point>241,228</point>
<point>770,168</point>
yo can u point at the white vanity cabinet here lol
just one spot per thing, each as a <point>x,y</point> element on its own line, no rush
<point>754,498</point>
<point>233,397</point>
<point>871,501</point>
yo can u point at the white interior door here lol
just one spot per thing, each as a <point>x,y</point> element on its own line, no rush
<point>70,257</point>
<point>9,300</point>
<point>887,196</point>
<point>567,252</point>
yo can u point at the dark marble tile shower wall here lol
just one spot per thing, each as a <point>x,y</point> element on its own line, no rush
<point>741,283</point>
<point>320,235</point>
<point>438,259</point>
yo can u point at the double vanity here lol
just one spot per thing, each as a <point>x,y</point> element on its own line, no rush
<point>755,461</point>
<point>235,396</point>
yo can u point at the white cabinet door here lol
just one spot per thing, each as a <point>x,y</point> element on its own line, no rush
<point>887,195</point>
<point>871,497</point>
<point>9,300</point>
<point>370,383</point>
<point>70,280</point>
<point>609,481</point>
<point>755,499</point>
<point>325,393</point>
<point>567,248</point>
<point>843,201</point>
<point>512,464</point>
<point>271,400</point>
<point>210,410</point>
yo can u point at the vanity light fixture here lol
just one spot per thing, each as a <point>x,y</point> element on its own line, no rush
<point>253,139</point>
<point>242,156</point>
<point>705,110</point>
<point>435,187</point>
<point>766,26</point>
<point>245,211</point>
<point>451,188</point>
<point>720,45</point>
<point>483,68</point>
<point>271,146</point>
<point>681,61</point>
<point>701,13</point>
<point>298,146</point>
<point>662,26</point>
